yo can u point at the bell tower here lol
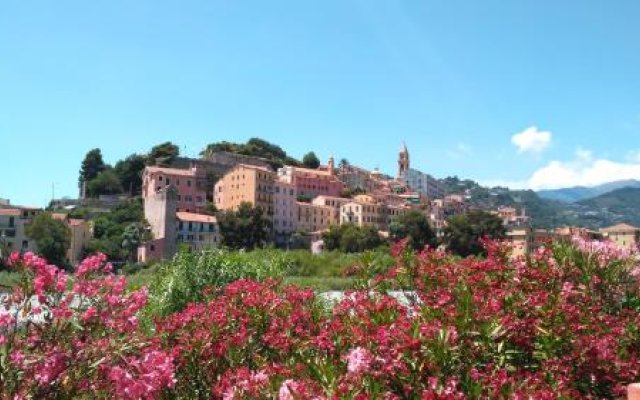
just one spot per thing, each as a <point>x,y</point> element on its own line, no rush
<point>403,160</point>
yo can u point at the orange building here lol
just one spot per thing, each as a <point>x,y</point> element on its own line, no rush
<point>246,183</point>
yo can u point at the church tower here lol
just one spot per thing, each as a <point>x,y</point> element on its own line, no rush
<point>331,165</point>
<point>403,160</point>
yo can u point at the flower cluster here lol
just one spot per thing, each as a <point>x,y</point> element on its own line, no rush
<point>562,323</point>
<point>77,336</point>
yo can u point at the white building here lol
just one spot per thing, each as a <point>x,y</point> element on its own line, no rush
<point>423,183</point>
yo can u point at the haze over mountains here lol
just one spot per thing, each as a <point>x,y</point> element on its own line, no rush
<point>578,193</point>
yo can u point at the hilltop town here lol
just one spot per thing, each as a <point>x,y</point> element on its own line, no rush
<point>181,198</point>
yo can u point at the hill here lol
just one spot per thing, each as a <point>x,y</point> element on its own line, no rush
<point>578,193</point>
<point>614,206</point>
<point>621,205</point>
<point>545,213</point>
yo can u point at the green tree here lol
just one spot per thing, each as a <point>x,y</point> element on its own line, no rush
<point>129,172</point>
<point>109,229</point>
<point>255,147</point>
<point>350,238</point>
<point>245,228</point>
<point>107,182</point>
<point>414,226</point>
<point>92,165</point>
<point>133,236</point>
<point>310,160</point>
<point>163,154</point>
<point>344,163</point>
<point>52,236</point>
<point>464,232</point>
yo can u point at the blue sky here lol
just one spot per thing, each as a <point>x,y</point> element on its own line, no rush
<point>457,80</point>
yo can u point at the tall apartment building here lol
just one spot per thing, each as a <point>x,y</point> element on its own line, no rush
<point>246,183</point>
<point>190,184</point>
<point>285,211</point>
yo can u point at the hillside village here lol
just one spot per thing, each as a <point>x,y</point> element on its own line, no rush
<point>181,197</point>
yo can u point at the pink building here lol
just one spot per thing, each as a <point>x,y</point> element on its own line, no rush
<point>312,182</point>
<point>191,185</point>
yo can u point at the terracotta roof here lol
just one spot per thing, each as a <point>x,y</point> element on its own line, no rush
<point>76,222</point>
<point>256,167</point>
<point>10,211</point>
<point>193,217</point>
<point>310,171</point>
<point>171,171</point>
<point>620,228</point>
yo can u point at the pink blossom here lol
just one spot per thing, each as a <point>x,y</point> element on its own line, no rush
<point>359,360</point>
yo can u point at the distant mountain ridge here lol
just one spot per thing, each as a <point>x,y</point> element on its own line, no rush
<point>620,205</point>
<point>609,208</point>
<point>578,193</point>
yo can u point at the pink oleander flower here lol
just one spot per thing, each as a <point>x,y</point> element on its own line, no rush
<point>285,393</point>
<point>359,361</point>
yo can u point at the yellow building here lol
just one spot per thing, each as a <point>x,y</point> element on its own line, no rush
<point>365,212</point>
<point>623,235</point>
<point>13,225</point>
<point>522,241</point>
<point>81,234</point>
<point>335,203</point>
<point>246,183</point>
<point>314,218</point>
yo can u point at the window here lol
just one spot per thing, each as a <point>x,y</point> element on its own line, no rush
<point>190,226</point>
<point>25,244</point>
<point>152,247</point>
<point>177,182</point>
<point>160,178</point>
<point>189,183</point>
<point>11,222</point>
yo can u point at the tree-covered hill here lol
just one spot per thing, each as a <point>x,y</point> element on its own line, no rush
<point>622,205</point>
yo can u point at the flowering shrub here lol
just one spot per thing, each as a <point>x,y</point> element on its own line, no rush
<point>63,339</point>
<point>561,323</point>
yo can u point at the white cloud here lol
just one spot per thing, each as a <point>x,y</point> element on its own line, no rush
<point>531,140</point>
<point>583,170</point>
<point>633,156</point>
<point>461,150</point>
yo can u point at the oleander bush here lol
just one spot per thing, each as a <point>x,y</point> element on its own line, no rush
<point>563,322</point>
